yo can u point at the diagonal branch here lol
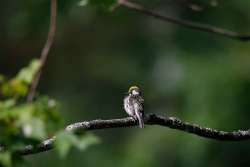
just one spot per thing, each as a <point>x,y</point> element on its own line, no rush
<point>150,119</point>
<point>45,50</point>
<point>189,24</point>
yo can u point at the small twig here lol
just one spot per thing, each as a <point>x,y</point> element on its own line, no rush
<point>185,23</point>
<point>150,119</point>
<point>45,50</point>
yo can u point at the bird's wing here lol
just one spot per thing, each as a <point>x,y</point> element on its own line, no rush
<point>138,107</point>
<point>138,104</point>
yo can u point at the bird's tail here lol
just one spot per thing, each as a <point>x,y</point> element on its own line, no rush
<point>139,116</point>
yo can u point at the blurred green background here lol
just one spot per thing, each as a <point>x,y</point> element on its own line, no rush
<point>196,76</point>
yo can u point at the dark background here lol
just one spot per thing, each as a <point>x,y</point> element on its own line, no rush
<point>196,76</point>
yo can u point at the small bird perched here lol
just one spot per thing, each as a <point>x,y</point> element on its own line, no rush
<point>133,104</point>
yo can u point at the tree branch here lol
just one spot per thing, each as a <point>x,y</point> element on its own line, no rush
<point>189,24</point>
<point>150,119</point>
<point>45,50</point>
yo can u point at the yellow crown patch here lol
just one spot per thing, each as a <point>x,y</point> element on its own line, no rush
<point>133,88</point>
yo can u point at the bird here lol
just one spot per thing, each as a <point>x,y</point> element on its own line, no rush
<point>133,104</point>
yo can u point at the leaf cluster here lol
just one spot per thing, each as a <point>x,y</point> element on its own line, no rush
<point>23,123</point>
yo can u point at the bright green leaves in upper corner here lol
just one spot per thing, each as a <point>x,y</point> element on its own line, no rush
<point>18,86</point>
<point>106,4</point>
<point>66,140</point>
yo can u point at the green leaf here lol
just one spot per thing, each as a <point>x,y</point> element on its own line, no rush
<point>66,140</point>
<point>34,128</point>
<point>2,78</point>
<point>14,88</point>
<point>35,120</point>
<point>26,74</point>
<point>86,140</point>
<point>5,159</point>
<point>83,2</point>
<point>47,109</point>
<point>6,104</point>
<point>18,86</point>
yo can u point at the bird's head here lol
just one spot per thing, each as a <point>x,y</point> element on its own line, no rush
<point>134,91</point>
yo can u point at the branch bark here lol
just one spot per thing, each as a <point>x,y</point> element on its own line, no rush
<point>189,24</point>
<point>45,50</point>
<point>150,119</point>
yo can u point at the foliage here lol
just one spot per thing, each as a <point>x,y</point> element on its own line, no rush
<point>23,123</point>
<point>66,140</point>
<point>18,86</point>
